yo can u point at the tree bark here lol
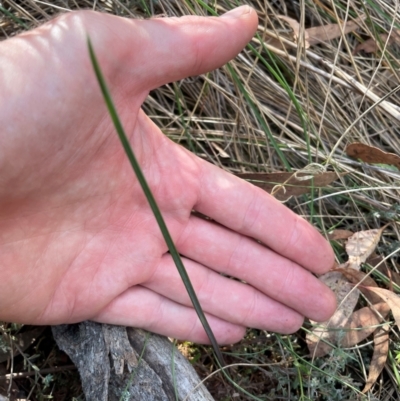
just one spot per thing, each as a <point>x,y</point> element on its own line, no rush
<point>119,363</point>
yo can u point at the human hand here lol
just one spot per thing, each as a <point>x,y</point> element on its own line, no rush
<point>77,238</point>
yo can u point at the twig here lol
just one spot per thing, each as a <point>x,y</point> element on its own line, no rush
<point>21,375</point>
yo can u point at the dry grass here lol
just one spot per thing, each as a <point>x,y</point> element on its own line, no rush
<point>291,108</point>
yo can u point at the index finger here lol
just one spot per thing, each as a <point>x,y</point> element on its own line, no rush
<point>249,210</point>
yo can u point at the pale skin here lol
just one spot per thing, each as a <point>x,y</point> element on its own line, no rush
<point>77,238</point>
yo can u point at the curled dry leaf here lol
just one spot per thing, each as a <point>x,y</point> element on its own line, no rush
<point>286,185</point>
<point>271,41</point>
<point>379,357</point>
<point>327,332</point>
<point>358,247</point>
<point>327,32</point>
<point>392,299</point>
<point>372,154</point>
<point>361,245</point>
<point>295,26</point>
<point>372,45</point>
<point>336,235</point>
<point>322,33</point>
<point>363,323</point>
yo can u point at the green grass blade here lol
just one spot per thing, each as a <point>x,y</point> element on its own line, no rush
<point>13,17</point>
<point>150,198</point>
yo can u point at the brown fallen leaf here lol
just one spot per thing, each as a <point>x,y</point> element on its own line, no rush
<point>392,299</point>
<point>372,45</point>
<point>356,277</point>
<point>371,154</point>
<point>271,41</point>
<point>383,267</point>
<point>319,340</point>
<point>327,32</point>
<point>336,235</point>
<point>379,357</point>
<point>295,26</point>
<point>347,298</point>
<point>362,323</point>
<point>360,245</point>
<point>290,184</point>
<point>377,260</point>
<point>322,33</point>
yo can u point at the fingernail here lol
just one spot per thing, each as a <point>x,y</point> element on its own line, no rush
<point>237,12</point>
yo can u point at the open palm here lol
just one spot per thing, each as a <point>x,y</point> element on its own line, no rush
<point>77,237</point>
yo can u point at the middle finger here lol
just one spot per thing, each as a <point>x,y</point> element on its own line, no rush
<point>236,255</point>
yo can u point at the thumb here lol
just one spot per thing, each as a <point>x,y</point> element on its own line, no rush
<point>161,50</point>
